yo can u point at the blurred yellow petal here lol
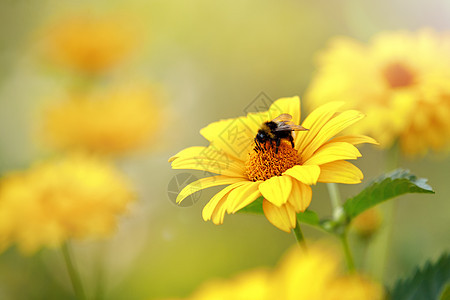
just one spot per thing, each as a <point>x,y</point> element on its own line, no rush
<point>353,287</point>
<point>283,217</point>
<point>90,44</point>
<point>399,79</point>
<point>307,174</point>
<point>106,121</point>
<point>74,197</point>
<point>276,189</point>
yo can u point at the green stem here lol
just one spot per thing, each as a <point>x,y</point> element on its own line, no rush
<point>299,236</point>
<point>347,252</point>
<point>335,196</point>
<point>393,157</point>
<point>383,242</point>
<point>73,272</point>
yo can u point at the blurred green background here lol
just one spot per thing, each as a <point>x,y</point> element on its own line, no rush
<point>212,58</point>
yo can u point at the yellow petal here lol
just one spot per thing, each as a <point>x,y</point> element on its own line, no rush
<point>276,189</point>
<point>188,152</point>
<point>307,174</point>
<point>242,196</point>
<point>210,159</point>
<point>332,152</point>
<point>219,211</point>
<point>330,129</point>
<point>205,183</point>
<point>233,136</point>
<point>301,196</point>
<point>340,172</point>
<point>288,105</point>
<point>211,206</point>
<point>355,139</point>
<point>213,166</point>
<point>283,217</point>
<point>314,122</point>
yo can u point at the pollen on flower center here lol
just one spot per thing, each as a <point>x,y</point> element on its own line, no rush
<point>398,75</point>
<point>262,165</point>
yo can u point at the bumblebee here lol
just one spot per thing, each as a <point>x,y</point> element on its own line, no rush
<point>276,130</point>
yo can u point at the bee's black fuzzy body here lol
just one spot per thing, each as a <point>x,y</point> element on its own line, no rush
<point>268,133</point>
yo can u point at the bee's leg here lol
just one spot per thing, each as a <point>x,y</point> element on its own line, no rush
<point>277,145</point>
<point>291,138</point>
<point>257,147</point>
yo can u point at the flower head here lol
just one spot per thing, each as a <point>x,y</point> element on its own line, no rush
<point>250,285</point>
<point>367,223</point>
<point>314,275</point>
<point>107,122</point>
<point>317,275</point>
<point>400,80</point>
<point>76,197</point>
<point>89,44</point>
<point>281,175</point>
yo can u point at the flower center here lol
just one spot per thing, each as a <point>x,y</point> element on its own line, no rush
<point>398,75</point>
<point>264,164</point>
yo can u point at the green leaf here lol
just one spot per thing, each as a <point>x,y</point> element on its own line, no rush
<point>445,295</point>
<point>385,187</point>
<point>309,217</point>
<point>427,283</point>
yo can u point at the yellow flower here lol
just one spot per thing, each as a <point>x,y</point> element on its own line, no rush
<point>353,287</point>
<point>313,275</point>
<point>305,275</point>
<point>89,43</point>
<point>317,275</point>
<point>252,285</point>
<point>107,122</point>
<point>283,178</point>
<point>76,197</point>
<point>401,80</point>
<point>368,222</point>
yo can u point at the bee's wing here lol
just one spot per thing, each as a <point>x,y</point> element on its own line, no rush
<point>282,118</point>
<point>289,126</point>
<point>298,128</point>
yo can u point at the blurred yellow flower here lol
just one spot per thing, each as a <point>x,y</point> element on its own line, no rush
<point>401,80</point>
<point>368,222</point>
<point>283,178</point>
<point>313,275</point>
<point>108,122</point>
<point>75,197</point>
<point>317,275</point>
<point>250,285</point>
<point>89,43</point>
